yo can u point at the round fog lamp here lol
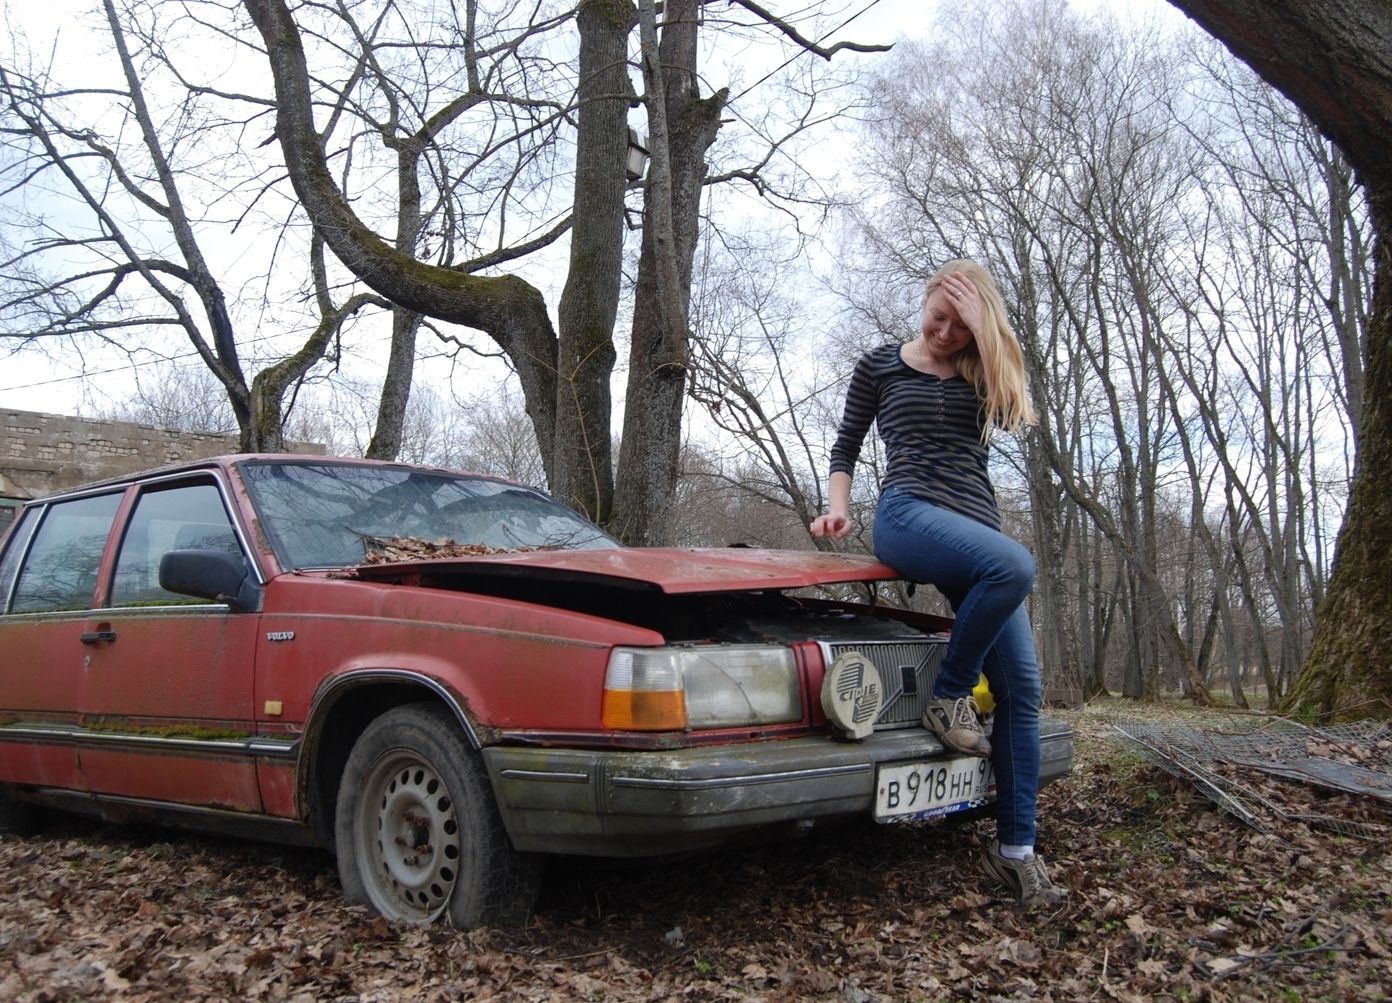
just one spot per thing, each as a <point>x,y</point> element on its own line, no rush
<point>852,695</point>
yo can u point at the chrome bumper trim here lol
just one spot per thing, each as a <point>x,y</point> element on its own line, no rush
<point>757,778</point>
<point>562,778</point>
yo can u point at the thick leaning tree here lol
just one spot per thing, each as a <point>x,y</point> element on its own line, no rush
<point>1333,58</point>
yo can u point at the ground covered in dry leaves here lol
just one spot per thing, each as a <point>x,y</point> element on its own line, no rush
<point>1171,901</point>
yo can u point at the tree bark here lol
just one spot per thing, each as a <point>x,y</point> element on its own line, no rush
<point>1349,669</point>
<point>650,453</point>
<point>1334,60</point>
<point>385,443</point>
<point>401,361</point>
<point>511,311</point>
<point>583,476</point>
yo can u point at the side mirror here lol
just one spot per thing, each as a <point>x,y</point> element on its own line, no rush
<point>211,574</point>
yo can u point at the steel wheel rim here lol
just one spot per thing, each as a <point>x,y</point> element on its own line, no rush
<point>407,832</point>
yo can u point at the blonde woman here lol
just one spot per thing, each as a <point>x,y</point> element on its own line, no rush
<point>936,401</point>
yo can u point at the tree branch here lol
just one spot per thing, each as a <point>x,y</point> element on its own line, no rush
<point>802,40</point>
<point>507,308</point>
<point>517,251</point>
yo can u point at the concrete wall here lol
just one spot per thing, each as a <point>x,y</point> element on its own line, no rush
<point>43,453</point>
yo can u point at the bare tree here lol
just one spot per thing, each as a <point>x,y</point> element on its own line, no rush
<point>139,257</point>
<point>684,125</point>
<point>186,397</point>
<point>590,301</point>
<point>567,378</point>
<point>751,375</point>
<point>1044,166</point>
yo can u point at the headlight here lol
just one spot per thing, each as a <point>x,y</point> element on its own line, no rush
<point>705,686</point>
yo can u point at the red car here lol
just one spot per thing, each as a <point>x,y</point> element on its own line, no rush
<point>237,646</point>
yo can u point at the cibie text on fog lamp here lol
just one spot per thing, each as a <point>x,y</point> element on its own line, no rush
<point>701,686</point>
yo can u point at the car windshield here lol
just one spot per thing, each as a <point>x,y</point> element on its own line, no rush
<point>329,515</point>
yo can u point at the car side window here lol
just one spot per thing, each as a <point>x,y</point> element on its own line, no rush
<point>189,517</point>
<point>60,572</point>
<point>14,550</point>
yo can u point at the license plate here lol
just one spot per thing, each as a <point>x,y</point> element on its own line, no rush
<point>905,792</point>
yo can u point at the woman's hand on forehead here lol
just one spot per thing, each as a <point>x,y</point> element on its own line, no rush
<point>962,293</point>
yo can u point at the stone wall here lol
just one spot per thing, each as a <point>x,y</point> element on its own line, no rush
<point>43,453</point>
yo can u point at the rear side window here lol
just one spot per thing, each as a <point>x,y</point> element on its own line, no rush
<point>14,550</point>
<point>60,572</point>
<point>190,517</point>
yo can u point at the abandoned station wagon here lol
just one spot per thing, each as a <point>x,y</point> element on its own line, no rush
<point>251,646</point>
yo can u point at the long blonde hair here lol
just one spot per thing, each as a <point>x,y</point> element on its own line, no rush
<point>992,361</point>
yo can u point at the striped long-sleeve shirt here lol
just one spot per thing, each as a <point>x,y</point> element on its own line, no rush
<point>931,430</point>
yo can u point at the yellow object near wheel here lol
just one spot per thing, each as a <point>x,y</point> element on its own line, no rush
<point>984,701</point>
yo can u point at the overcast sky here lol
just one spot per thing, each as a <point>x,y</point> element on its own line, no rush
<point>35,382</point>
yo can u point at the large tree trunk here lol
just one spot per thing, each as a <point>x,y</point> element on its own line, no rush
<point>401,361</point>
<point>1334,60</point>
<point>1349,668</point>
<point>651,449</point>
<point>583,474</point>
<point>396,386</point>
<point>510,310</point>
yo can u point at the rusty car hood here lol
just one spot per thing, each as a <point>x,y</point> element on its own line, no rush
<point>671,570</point>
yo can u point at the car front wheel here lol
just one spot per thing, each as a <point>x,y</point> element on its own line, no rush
<point>417,832</point>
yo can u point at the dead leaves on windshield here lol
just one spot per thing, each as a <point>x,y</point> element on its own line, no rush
<point>1171,901</point>
<point>396,549</point>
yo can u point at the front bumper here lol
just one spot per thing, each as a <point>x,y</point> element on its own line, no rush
<point>638,804</point>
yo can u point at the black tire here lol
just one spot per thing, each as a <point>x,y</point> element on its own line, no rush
<point>417,832</point>
<point>19,818</point>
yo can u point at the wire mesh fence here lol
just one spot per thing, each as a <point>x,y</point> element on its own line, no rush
<point>1276,774</point>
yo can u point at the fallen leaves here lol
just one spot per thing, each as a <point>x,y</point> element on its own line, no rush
<point>1170,901</point>
<point>395,549</point>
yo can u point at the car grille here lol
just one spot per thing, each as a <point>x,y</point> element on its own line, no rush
<point>906,692</point>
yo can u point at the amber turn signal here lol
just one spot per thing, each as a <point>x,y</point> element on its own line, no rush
<point>644,710</point>
<point>643,691</point>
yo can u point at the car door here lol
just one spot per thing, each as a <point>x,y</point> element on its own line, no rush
<point>48,578</point>
<point>166,695</point>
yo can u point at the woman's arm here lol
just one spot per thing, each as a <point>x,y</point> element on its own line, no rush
<point>862,401</point>
<point>838,521</point>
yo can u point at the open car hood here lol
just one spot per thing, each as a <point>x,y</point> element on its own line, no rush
<point>666,569</point>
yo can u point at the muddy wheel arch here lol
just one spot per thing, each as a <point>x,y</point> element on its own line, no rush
<point>342,710</point>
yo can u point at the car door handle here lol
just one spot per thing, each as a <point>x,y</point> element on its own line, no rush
<point>95,636</point>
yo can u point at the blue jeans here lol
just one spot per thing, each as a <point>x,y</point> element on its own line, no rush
<point>985,575</point>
